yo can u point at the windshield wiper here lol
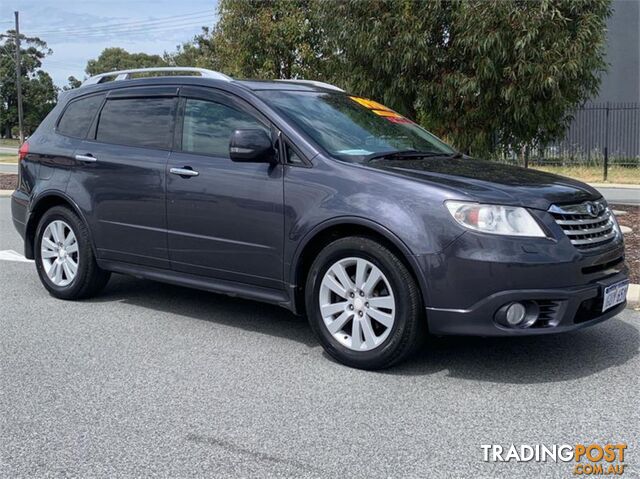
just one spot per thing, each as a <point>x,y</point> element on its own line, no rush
<point>405,154</point>
<point>399,154</point>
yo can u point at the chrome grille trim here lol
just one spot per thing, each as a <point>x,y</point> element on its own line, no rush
<point>587,225</point>
<point>593,241</point>
<point>588,231</point>
<point>586,208</point>
<point>579,222</point>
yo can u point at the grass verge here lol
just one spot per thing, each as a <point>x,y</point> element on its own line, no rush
<point>9,142</point>
<point>593,174</point>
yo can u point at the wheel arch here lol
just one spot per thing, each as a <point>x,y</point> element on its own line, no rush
<point>343,227</point>
<point>41,205</point>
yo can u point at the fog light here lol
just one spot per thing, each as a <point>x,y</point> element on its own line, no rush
<point>515,313</point>
<point>518,315</point>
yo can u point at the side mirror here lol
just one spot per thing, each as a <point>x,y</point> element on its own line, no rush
<point>251,146</point>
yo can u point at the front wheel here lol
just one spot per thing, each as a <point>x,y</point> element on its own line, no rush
<point>64,257</point>
<point>363,304</point>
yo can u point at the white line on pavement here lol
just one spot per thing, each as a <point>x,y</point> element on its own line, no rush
<point>10,255</point>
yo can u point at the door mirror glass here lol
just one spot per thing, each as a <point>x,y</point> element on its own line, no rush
<point>251,146</point>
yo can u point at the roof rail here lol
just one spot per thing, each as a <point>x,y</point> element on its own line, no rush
<point>329,86</point>
<point>126,74</point>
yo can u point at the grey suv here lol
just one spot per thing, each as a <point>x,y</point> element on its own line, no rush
<point>298,194</point>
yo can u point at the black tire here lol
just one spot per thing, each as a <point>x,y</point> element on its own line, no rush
<point>408,329</point>
<point>89,279</point>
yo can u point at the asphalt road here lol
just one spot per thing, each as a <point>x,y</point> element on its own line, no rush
<point>624,196</point>
<point>8,168</point>
<point>156,380</point>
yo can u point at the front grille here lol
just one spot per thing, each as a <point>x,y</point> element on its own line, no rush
<point>588,225</point>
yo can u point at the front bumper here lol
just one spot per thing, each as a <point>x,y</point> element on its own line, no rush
<point>572,308</point>
<point>476,275</point>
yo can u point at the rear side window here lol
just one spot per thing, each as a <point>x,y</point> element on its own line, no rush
<point>142,122</point>
<point>79,115</point>
<point>208,127</point>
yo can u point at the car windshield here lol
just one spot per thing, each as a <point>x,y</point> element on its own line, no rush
<point>354,128</point>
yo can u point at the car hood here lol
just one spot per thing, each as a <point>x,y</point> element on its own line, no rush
<point>486,181</point>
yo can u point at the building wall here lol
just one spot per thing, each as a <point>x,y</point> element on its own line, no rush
<point>622,82</point>
<point>609,124</point>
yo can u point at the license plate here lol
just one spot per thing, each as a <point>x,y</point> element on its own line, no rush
<point>615,294</point>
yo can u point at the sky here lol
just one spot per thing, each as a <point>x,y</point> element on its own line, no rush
<point>78,31</point>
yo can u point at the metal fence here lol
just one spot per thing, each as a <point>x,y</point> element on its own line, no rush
<point>601,134</point>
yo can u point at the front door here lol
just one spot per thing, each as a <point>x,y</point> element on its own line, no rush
<point>225,219</point>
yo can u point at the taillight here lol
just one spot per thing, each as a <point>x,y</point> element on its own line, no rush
<point>22,152</point>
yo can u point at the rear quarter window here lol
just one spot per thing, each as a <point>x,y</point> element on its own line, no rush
<point>78,116</point>
<point>141,122</point>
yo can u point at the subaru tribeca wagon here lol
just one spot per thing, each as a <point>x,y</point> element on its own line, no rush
<point>298,194</point>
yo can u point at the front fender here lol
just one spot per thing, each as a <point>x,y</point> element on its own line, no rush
<point>329,224</point>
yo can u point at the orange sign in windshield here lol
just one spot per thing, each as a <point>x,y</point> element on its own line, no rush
<point>381,110</point>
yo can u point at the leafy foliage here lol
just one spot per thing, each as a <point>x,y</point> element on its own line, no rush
<point>480,72</point>
<point>73,82</point>
<point>39,94</point>
<point>200,52</point>
<point>259,39</point>
<point>112,59</point>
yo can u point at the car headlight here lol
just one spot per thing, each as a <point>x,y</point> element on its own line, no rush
<point>495,219</point>
<point>614,221</point>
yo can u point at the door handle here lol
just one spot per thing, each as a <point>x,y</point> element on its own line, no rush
<point>86,158</point>
<point>183,172</point>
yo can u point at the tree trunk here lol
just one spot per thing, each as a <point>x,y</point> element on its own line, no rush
<point>524,155</point>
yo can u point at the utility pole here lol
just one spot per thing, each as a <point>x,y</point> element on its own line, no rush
<point>606,144</point>
<point>19,78</point>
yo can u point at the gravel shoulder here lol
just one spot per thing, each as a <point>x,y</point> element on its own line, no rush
<point>631,240</point>
<point>8,181</point>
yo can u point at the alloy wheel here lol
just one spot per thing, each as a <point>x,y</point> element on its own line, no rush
<point>59,253</point>
<point>357,304</point>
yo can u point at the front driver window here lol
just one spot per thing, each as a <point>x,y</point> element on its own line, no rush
<point>208,127</point>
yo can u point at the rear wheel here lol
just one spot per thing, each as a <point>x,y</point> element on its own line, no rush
<point>64,257</point>
<point>363,304</point>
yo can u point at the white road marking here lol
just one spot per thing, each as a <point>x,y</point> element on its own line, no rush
<point>10,255</point>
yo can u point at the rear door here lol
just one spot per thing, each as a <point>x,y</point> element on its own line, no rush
<point>121,174</point>
<point>226,219</point>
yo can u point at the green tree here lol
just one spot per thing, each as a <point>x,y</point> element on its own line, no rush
<point>482,73</point>
<point>112,59</point>
<point>260,39</point>
<point>73,82</point>
<point>269,39</point>
<point>200,52</point>
<point>478,71</point>
<point>39,94</point>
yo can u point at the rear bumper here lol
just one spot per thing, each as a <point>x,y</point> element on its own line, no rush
<point>572,308</point>
<point>20,211</point>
